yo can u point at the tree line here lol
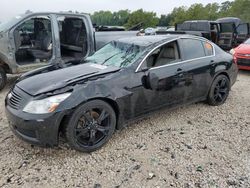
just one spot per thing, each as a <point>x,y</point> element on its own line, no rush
<point>210,11</point>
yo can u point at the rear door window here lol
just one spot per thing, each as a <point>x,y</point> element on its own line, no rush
<point>192,48</point>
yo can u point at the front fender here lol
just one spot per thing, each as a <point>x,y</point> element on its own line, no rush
<point>96,90</point>
<point>4,61</point>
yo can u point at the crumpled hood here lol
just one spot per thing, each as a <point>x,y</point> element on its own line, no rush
<point>49,81</point>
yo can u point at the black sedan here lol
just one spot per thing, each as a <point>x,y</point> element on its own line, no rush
<point>123,81</point>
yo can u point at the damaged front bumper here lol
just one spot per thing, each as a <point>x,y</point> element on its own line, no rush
<point>39,130</point>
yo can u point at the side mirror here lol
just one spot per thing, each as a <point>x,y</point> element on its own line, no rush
<point>151,81</point>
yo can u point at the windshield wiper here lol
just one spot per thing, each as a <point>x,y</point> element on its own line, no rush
<point>110,58</point>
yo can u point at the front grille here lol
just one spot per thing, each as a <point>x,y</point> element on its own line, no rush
<point>226,35</point>
<point>244,55</point>
<point>15,99</point>
<point>244,62</point>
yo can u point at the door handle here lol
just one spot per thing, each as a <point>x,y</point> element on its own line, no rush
<point>212,63</point>
<point>179,70</point>
<point>180,73</point>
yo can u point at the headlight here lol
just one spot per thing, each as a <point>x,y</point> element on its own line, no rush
<point>232,51</point>
<point>46,105</point>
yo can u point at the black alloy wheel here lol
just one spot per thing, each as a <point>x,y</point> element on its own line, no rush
<point>91,126</point>
<point>219,90</point>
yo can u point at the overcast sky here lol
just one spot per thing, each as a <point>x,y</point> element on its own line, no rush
<point>9,8</point>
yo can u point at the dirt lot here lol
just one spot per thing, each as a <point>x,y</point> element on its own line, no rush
<point>193,146</point>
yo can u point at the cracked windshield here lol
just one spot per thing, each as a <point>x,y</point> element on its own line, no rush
<point>117,54</point>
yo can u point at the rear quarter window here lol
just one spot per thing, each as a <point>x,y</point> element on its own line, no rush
<point>208,48</point>
<point>192,48</point>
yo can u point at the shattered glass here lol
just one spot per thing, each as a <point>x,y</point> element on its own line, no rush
<point>117,54</point>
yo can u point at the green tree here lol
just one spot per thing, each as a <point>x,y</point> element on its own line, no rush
<point>196,12</point>
<point>178,15</point>
<point>120,18</point>
<point>212,11</point>
<point>149,19</point>
<point>225,6</point>
<point>165,20</point>
<point>102,18</point>
<point>240,9</point>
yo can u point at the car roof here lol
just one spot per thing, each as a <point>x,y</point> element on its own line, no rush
<point>148,40</point>
<point>235,20</point>
<point>60,12</point>
<point>197,21</point>
<point>200,21</point>
<point>16,19</point>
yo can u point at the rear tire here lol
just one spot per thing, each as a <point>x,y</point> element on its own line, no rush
<point>3,78</point>
<point>91,126</point>
<point>219,91</point>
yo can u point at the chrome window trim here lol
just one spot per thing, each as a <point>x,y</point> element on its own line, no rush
<point>184,61</point>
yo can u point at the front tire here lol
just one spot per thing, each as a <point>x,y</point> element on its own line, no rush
<point>91,126</point>
<point>3,78</point>
<point>219,91</point>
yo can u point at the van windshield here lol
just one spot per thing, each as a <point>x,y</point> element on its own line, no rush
<point>117,54</point>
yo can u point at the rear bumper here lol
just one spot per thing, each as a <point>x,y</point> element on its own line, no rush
<point>243,62</point>
<point>241,67</point>
<point>39,130</point>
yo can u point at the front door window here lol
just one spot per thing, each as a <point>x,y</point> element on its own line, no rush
<point>33,41</point>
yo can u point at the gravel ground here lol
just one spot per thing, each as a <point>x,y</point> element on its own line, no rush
<point>193,146</point>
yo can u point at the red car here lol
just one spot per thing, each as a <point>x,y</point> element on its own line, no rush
<point>242,55</point>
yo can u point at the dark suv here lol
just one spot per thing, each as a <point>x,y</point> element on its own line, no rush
<point>225,32</point>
